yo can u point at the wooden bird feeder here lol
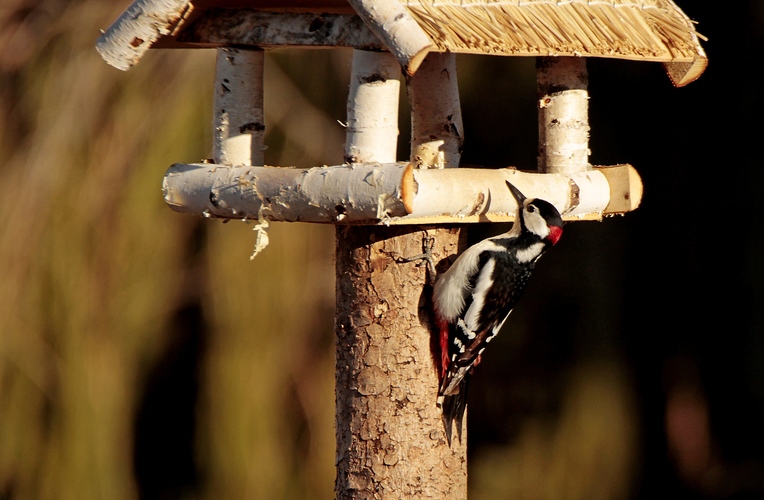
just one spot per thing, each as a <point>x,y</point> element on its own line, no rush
<point>561,34</point>
<point>373,187</point>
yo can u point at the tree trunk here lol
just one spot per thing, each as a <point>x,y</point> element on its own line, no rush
<point>390,437</point>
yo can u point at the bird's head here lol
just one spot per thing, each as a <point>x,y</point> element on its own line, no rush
<point>537,216</point>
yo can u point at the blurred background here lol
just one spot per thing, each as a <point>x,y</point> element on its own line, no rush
<point>142,355</point>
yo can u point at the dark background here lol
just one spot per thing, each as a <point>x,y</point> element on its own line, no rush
<point>671,293</point>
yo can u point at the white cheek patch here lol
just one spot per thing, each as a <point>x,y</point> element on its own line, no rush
<point>536,223</point>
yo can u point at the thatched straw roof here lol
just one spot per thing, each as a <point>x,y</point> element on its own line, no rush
<point>650,30</point>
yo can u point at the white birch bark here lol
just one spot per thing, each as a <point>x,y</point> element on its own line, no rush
<point>437,133</point>
<point>129,37</point>
<point>372,108</point>
<point>394,25</point>
<point>392,193</point>
<point>563,114</point>
<point>238,121</point>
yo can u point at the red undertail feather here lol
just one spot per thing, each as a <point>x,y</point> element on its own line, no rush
<point>444,358</point>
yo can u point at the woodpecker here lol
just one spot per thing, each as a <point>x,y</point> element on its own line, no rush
<point>473,299</point>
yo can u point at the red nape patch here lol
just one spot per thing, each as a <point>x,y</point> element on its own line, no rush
<point>444,358</point>
<point>554,234</point>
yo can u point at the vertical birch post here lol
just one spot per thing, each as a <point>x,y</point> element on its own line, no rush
<point>390,438</point>
<point>563,114</point>
<point>437,133</point>
<point>238,118</point>
<point>372,121</point>
<point>238,123</point>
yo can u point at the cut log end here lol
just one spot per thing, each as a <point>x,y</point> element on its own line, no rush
<point>625,188</point>
<point>408,188</point>
<point>416,60</point>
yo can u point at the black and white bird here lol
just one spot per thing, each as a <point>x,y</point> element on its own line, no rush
<point>473,299</point>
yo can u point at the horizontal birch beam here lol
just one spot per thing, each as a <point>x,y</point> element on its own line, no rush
<point>392,193</point>
<point>250,27</point>
<point>385,26</point>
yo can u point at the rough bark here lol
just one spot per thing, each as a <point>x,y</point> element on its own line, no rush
<point>390,437</point>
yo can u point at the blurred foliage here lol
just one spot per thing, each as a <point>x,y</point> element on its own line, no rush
<point>143,355</point>
<point>90,279</point>
<point>98,276</point>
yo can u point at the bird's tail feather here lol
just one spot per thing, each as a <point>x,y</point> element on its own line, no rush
<point>453,407</point>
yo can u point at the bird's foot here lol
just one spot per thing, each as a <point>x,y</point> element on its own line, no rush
<point>428,242</point>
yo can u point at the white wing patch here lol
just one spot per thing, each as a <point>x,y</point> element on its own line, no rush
<point>452,287</point>
<point>482,285</point>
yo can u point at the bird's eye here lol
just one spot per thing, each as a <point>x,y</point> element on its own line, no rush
<point>531,208</point>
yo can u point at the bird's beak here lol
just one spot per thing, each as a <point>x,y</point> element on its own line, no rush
<point>520,197</point>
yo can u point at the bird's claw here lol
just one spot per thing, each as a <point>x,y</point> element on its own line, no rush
<point>428,242</point>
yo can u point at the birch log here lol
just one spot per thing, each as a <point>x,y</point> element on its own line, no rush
<point>372,108</point>
<point>563,114</point>
<point>394,25</point>
<point>392,193</point>
<point>259,28</point>
<point>129,37</point>
<point>238,122</point>
<point>437,133</point>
